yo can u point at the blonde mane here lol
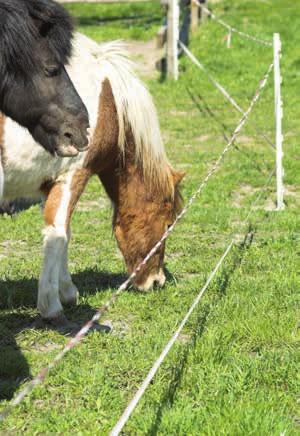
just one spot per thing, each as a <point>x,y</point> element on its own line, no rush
<point>136,113</point>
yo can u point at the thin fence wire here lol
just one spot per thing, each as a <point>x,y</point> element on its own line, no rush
<point>231,28</point>
<point>135,400</point>
<point>155,367</point>
<point>40,377</point>
<point>222,90</point>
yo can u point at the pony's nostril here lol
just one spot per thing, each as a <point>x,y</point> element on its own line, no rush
<point>68,135</point>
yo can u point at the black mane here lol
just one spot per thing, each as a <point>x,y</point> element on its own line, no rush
<point>21,23</point>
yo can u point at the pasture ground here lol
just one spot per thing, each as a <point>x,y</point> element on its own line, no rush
<point>234,370</point>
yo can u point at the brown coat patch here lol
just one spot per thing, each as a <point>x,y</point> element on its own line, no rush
<point>104,145</point>
<point>54,196</point>
<point>78,184</point>
<point>103,149</point>
<point>140,216</point>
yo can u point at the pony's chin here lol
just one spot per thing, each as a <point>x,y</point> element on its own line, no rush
<point>69,149</point>
<point>66,150</point>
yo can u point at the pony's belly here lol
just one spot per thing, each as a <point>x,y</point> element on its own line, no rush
<point>27,166</point>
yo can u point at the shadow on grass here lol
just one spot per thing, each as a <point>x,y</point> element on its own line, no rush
<point>199,325</point>
<point>204,109</point>
<point>15,294</point>
<point>225,131</point>
<point>14,368</point>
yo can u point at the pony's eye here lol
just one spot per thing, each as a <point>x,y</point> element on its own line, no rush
<point>52,71</point>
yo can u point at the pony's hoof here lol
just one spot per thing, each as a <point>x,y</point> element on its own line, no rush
<point>61,323</point>
<point>59,320</point>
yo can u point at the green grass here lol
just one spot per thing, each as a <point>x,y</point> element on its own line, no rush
<point>105,22</point>
<point>235,368</point>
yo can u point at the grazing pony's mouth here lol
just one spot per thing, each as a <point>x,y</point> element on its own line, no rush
<point>153,280</point>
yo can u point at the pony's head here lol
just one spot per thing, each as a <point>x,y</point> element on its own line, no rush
<point>141,218</point>
<point>35,89</point>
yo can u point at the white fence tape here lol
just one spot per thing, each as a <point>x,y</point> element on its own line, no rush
<point>232,29</point>
<point>221,89</point>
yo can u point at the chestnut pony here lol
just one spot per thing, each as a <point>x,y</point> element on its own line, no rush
<point>126,153</point>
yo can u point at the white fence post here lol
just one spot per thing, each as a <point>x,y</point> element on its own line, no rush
<point>172,39</point>
<point>278,118</point>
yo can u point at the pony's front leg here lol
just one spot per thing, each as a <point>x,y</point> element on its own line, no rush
<point>55,285</point>
<point>67,290</point>
<point>55,242</point>
<point>49,304</point>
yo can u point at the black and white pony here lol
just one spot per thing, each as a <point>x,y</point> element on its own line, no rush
<point>35,89</point>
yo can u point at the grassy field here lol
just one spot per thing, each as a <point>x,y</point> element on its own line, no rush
<point>234,370</point>
<point>127,21</point>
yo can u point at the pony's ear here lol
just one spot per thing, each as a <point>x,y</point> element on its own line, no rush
<point>53,22</point>
<point>42,27</point>
<point>177,175</point>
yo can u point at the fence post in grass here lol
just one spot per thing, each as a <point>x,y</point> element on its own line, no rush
<point>194,16</point>
<point>172,39</point>
<point>203,13</point>
<point>278,120</point>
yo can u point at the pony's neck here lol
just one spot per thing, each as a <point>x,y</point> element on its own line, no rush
<point>124,184</point>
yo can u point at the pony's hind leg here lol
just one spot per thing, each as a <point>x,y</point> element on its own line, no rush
<point>55,243</point>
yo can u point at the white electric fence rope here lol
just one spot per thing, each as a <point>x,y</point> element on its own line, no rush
<point>221,88</point>
<point>230,28</point>
<point>133,403</point>
<point>151,374</point>
<point>83,331</point>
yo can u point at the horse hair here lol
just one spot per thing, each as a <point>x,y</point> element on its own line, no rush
<point>18,34</point>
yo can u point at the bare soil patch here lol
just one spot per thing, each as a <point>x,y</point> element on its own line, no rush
<point>145,54</point>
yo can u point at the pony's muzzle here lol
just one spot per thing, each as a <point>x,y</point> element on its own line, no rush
<point>72,144</point>
<point>156,279</point>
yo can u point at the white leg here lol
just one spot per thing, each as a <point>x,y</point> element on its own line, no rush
<point>67,290</point>
<point>55,245</point>
<point>55,240</point>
